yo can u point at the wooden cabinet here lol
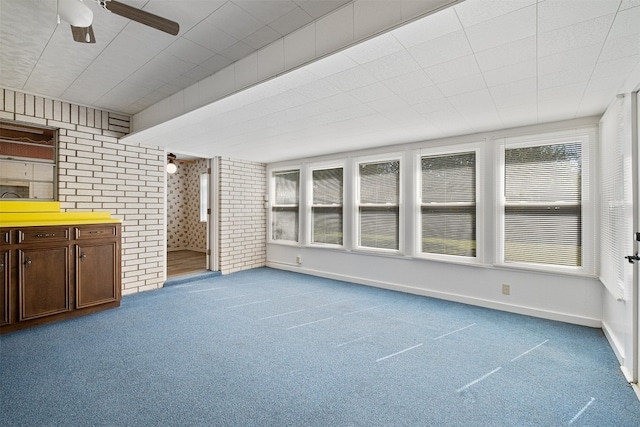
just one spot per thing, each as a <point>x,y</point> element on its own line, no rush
<point>52,273</point>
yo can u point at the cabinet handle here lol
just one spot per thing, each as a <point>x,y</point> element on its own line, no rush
<point>27,262</point>
<point>46,235</point>
<point>83,256</point>
<point>97,232</point>
<point>1,265</point>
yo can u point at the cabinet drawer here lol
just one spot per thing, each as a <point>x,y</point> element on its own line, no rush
<point>96,232</point>
<point>43,234</point>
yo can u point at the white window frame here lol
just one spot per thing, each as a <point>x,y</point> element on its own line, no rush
<point>272,203</point>
<point>586,136</point>
<point>309,205</point>
<point>387,157</point>
<point>444,151</point>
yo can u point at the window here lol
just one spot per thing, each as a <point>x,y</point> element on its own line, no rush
<point>448,204</point>
<point>543,218</point>
<point>326,207</point>
<point>379,204</point>
<point>204,196</point>
<point>285,208</point>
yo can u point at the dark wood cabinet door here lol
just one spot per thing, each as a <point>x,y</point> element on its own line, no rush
<point>5,280</point>
<point>43,282</point>
<point>97,273</point>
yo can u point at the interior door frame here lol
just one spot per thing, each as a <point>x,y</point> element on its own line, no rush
<point>212,221</point>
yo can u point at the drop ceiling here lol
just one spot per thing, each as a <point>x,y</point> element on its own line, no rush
<point>480,65</point>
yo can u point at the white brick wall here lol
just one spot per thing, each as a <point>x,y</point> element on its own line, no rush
<point>242,217</point>
<point>97,172</point>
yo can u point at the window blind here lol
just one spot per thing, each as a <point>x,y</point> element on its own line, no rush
<point>543,210</point>
<point>379,210</point>
<point>448,208</point>
<point>326,209</point>
<point>285,209</point>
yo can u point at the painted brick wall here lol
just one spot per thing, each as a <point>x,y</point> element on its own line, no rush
<point>97,172</point>
<point>242,216</point>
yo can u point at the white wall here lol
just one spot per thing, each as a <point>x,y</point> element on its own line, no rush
<point>558,296</point>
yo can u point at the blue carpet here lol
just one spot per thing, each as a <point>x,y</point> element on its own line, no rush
<point>272,348</point>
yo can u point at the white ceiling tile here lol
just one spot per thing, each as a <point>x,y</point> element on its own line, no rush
<point>216,63</point>
<point>441,49</point>
<point>234,21</point>
<point>266,11</point>
<point>466,84</point>
<point>391,105</point>
<point>391,66</point>
<point>575,36</point>
<point>237,51</point>
<point>317,90</point>
<point>502,30</point>
<point>371,93</point>
<point>565,77</point>
<point>555,14</point>
<point>422,94</point>
<point>452,70</point>
<point>620,48</point>
<point>207,35</point>
<point>318,8</point>
<point>621,66</point>
<point>570,91</point>
<point>511,73</point>
<point>373,49</point>
<point>429,28</point>
<point>331,65</point>
<point>246,71</point>
<point>626,23</point>
<point>568,59</point>
<point>429,106</point>
<point>508,54</point>
<point>408,82</point>
<point>475,11</point>
<point>519,115</point>
<point>352,78</point>
<point>340,101</point>
<point>627,4</point>
<point>292,21</point>
<point>514,93</point>
<point>262,37</point>
<point>189,51</point>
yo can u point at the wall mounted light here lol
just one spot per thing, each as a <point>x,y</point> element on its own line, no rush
<point>171,166</point>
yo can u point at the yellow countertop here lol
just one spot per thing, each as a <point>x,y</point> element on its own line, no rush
<point>30,213</point>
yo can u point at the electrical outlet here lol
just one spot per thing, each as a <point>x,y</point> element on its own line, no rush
<point>506,289</point>
<point>299,259</point>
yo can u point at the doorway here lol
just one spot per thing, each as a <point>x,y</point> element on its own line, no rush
<point>187,216</point>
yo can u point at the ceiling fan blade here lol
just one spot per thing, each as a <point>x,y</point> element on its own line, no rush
<point>146,18</point>
<point>83,34</point>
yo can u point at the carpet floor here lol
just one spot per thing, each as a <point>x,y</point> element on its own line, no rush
<point>271,348</point>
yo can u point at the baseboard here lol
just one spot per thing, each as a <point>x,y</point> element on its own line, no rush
<point>517,309</point>
<point>618,349</point>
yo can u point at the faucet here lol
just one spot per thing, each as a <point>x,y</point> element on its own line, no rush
<point>9,193</point>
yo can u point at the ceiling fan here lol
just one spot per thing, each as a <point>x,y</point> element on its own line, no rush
<point>80,17</point>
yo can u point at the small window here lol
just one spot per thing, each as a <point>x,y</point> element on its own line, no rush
<point>285,207</point>
<point>204,196</point>
<point>379,205</point>
<point>543,204</point>
<point>448,205</point>
<point>326,208</point>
